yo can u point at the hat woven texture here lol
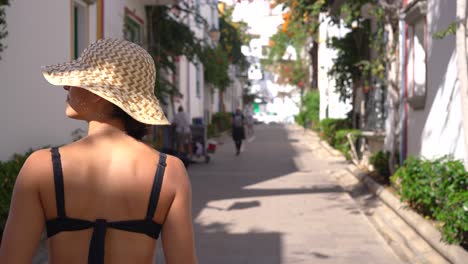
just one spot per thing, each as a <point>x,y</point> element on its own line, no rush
<point>119,71</point>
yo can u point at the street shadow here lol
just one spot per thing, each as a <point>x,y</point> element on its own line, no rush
<point>320,255</point>
<point>227,176</point>
<point>215,244</point>
<point>252,247</point>
<point>243,205</point>
<point>367,201</point>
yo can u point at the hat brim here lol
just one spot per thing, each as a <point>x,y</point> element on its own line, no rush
<point>143,107</point>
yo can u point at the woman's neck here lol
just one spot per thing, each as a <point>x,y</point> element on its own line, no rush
<point>98,127</point>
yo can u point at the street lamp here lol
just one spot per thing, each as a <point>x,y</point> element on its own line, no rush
<point>214,34</point>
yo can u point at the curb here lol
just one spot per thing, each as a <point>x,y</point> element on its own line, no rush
<point>325,144</point>
<point>453,253</point>
<point>331,150</point>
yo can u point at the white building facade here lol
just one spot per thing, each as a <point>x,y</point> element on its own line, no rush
<point>330,104</point>
<point>432,116</point>
<point>32,112</point>
<point>197,98</point>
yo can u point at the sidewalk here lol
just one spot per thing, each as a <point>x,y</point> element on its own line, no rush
<point>278,203</point>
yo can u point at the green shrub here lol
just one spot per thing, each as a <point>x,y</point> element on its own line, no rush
<point>454,217</point>
<point>416,185</point>
<point>8,172</point>
<point>310,110</point>
<point>438,189</point>
<point>329,127</point>
<point>301,119</point>
<point>341,141</point>
<point>380,161</point>
<point>222,121</point>
<point>212,131</point>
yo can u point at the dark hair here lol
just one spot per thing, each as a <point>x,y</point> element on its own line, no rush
<point>180,109</point>
<point>133,127</point>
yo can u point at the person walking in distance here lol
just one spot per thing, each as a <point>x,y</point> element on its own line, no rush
<point>107,197</point>
<point>250,123</point>
<point>238,132</point>
<point>183,136</point>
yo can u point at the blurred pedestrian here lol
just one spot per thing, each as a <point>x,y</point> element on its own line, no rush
<point>103,197</point>
<point>238,132</point>
<point>250,123</point>
<point>168,138</point>
<point>183,136</point>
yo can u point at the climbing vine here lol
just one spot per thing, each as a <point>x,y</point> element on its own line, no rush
<point>216,60</point>
<point>233,36</point>
<point>299,28</point>
<point>171,38</point>
<point>216,66</point>
<point>347,66</point>
<point>450,30</point>
<point>353,66</point>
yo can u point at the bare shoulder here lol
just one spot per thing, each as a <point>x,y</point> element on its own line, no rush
<point>38,166</point>
<point>176,173</point>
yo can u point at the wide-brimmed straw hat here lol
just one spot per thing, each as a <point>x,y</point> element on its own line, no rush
<point>119,71</point>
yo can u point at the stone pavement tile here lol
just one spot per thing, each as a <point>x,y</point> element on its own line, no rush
<point>300,222</point>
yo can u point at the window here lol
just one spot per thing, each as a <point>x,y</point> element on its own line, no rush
<point>80,28</point>
<point>416,54</point>
<point>417,71</point>
<point>133,29</point>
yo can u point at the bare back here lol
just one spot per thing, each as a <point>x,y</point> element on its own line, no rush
<point>109,179</point>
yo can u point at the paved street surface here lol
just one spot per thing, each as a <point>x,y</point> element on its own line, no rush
<point>277,203</point>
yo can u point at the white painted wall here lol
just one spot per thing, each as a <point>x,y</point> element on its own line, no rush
<point>233,94</point>
<point>114,15</point>
<point>326,84</point>
<point>215,103</point>
<point>32,112</point>
<point>183,85</point>
<point>196,99</point>
<point>195,102</point>
<point>207,103</point>
<point>191,103</point>
<point>437,130</point>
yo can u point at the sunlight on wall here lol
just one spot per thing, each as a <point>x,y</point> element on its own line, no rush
<point>443,130</point>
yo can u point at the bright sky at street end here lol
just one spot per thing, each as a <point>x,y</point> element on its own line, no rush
<point>257,14</point>
<point>264,22</point>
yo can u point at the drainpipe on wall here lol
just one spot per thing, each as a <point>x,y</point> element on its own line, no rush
<point>188,110</point>
<point>402,89</point>
<point>462,66</point>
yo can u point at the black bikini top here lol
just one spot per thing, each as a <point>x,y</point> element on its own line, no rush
<point>96,248</point>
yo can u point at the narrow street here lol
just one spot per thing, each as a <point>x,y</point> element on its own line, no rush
<point>277,203</point>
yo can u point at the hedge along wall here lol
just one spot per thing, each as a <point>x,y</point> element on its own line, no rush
<point>8,172</point>
<point>437,189</point>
